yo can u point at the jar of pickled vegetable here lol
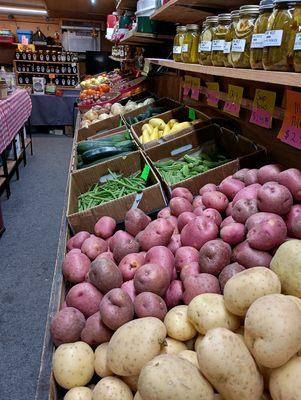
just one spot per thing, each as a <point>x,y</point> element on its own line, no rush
<point>205,43</point>
<point>241,44</point>
<point>177,44</point>
<point>229,37</point>
<point>190,44</point>
<point>258,38</point>
<point>218,42</point>
<point>297,41</point>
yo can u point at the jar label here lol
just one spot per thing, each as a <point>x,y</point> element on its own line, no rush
<point>258,41</point>
<point>218,45</point>
<point>238,45</point>
<point>177,49</point>
<point>205,46</point>
<point>227,47</point>
<point>297,45</point>
<point>273,38</point>
<point>185,48</point>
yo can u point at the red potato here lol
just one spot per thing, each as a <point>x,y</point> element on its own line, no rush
<point>209,187</point>
<point>119,236</point>
<point>77,240</point>
<point>105,275</point>
<point>275,198</point>
<point>63,305</point>
<point>149,304</point>
<point>190,269</point>
<point>136,221</point>
<point>184,218</point>
<point>243,209</point>
<point>185,255</point>
<point>139,236</point>
<point>116,309</point>
<point>129,288</point>
<point>293,221</point>
<point>197,202</point>
<point>240,174</point>
<point>227,221</point>
<point>157,233</point>
<point>267,234</point>
<point>249,192</point>
<point>107,255</point>
<point>269,173</point>
<point>164,213</point>
<point>152,278</point>
<point>178,205</point>
<point>291,178</point>
<point>85,297</point>
<point>174,275</point>
<point>199,284</point>
<point>213,215</point>
<point>214,256</point>
<point>229,209</point>
<point>248,257</point>
<point>130,263</point>
<point>95,331</point>
<point>251,177</point>
<point>66,326</point>
<point>105,227</point>
<point>93,246</point>
<point>75,251</point>
<point>174,294</point>
<point>122,249</point>
<point>216,200</point>
<point>258,218</point>
<point>162,256</point>
<point>233,233</point>
<point>198,211</point>
<point>75,266</point>
<point>198,232</point>
<point>182,192</point>
<point>227,273</point>
<point>230,186</point>
<point>174,221</point>
<point>175,243</point>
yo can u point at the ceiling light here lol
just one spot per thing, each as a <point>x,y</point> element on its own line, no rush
<point>93,2</point>
<point>19,10</point>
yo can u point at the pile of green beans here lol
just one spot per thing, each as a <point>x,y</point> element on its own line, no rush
<point>113,189</point>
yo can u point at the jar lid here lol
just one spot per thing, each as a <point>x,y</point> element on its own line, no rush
<point>249,9</point>
<point>286,1</point>
<point>235,13</point>
<point>212,18</point>
<point>224,17</point>
<point>266,4</point>
<point>181,28</point>
<point>192,27</point>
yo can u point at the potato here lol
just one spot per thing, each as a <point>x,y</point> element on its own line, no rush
<point>259,218</point>
<point>136,221</point>
<point>197,202</point>
<point>229,271</point>
<point>137,396</point>
<point>175,243</point>
<point>105,275</point>
<point>214,256</point>
<point>190,269</point>
<point>199,211</point>
<point>184,218</point>
<point>73,364</point>
<point>134,344</point>
<point>152,278</point>
<point>228,220</point>
<point>233,233</point>
<point>291,178</point>
<point>174,294</point>
<point>249,192</point>
<point>75,267</point>
<point>285,381</point>
<point>118,237</point>
<point>293,221</point>
<point>79,393</point>
<point>157,233</point>
<point>240,174</point>
<point>95,332</point>
<point>173,346</point>
<point>129,288</point>
<point>93,246</point>
<point>116,308</point>
<point>208,311</point>
<point>182,192</point>
<point>178,205</point>
<point>251,177</point>
<point>275,198</point>
<point>228,210</point>
<point>124,248</point>
<point>149,304</point>
<point>164,213</point>
<point>286,263</point>
<point>185,255</point>
<point>209,187</point>
<point>66,326</point>
<point>105,227</point>
<point>230,186</point>
<point>77,240</point>
<point>85,297</point>
<point>101,365</point>
<point>174,221</point>
<point>177,324</point>
<point>248,257</point>
<point>272,330</point>
<point>243,209</point>
<point>190,356</point>
<point>245,287</point>
<point>230,368</point>
<point>269,173</point>
<point>162,256</point>
<point>198,284</point>
<point>131,381</point>
<point>216,200</point>
<point>198,341</point>
<point>112,388</point>
<point>214,215</point>
<point>129,265</point>
<point>107,255</point>
<point>198,231</point>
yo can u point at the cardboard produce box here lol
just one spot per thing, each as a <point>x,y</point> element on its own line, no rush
<point>109,124</point>
<point>80,181</point>
<point>181,114</point>
<point>240,150</point>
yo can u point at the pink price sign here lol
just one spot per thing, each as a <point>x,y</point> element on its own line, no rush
<point>195,91</point>
<point>261,118</point>
<point>186,90</point>
<point>292,137</point>
<point>212,97</point>
<point>232,108</point>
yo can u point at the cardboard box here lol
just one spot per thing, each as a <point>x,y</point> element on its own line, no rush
<point>242,151</point>
<point>80,181</point>
<point>99,127</point>
<point>181,114</point>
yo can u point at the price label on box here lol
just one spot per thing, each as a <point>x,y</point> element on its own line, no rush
<point>263,108</point>
<point>195,88</point>
<point>232,105</point>
<point>187,85</point>
<point>290,131</point>
<point>213,94</point>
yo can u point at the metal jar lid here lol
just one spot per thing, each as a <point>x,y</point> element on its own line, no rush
<point>266,4</point>
<point>248,9</point>
<point>235,13</point>
<point>286,1</point>
<point>181,28</point>
<point>192,27</point>
<point>224,17</point>
<point>212,18</point>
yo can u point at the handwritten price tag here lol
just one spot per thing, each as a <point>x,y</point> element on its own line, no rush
<point>261,118</point>
<point>263,108</point>
<point>187,85</point>
<point>292,137</point>
<point>213,94</point>
<point>232,105</point>
<point>290,131</point>
<point>195,88</point>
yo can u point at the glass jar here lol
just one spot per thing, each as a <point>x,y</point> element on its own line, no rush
<point>297,41</point>
<point>47,56</point>
<point>205,43</point>
<point>189,52</point>
<point>229,37</point>
<point>218,42</point>
<point>41,55</point>
<point>177,43</point>
<point>241,44</point>
<point>258,38</point>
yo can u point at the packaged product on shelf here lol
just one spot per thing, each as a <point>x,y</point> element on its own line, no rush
<point>178,42</point>
<point>258,38</point>
<point>218,42</point>
<point>229,37</point>
<point>241,44</point>
<point>205,42</point>
<point>190,44</point>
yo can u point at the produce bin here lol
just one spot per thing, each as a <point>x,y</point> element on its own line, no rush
<point>242,151</point>
<point>80,181</point>
<point>180,113</point>
<point>109,124</point>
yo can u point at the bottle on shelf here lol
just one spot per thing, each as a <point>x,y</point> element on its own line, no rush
<point>41,55</point>
<point>63,81</point>
<point>24,56</point>
<point>59,56</point>
<point>34,55</point>
<point>43,68</point>
<point>68,56</point>
<point>38,68</point>
<point>54,56</point>
<point>63,57</point>
<point>57,69</point>
<point>29,55</point>
<point>47,56</point>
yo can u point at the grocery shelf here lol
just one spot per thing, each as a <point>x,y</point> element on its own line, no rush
<point>44,73</point>
<point>145,38</point>
<point>121,59</point>
<point>126,5</point>
<point>280,78</point>
<point>51,46</point>
<point>47,62</point>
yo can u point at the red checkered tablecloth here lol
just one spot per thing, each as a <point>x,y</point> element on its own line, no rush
<point>14,112</point>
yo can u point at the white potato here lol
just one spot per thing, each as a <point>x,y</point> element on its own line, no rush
<point>73,364</point>
<point>177,324</point>
<point>225,361</point>
<point>245,287</point>
<point>131,381</point>
<point>285,381</point>
<point>173,346</point>
<point>101,365</point>
<point>110,388</point>
<point>296,300</point>
<point>198,341</point>
<point>207,311</point>
<point>170,377</point>
<point>137,396</point>
<point>79,393</point>
<point>190,356</point>
<point>272,330</point>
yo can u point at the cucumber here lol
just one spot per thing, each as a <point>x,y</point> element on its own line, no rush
<point>97,154</point>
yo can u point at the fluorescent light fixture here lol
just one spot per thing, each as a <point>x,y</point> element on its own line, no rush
<point>19,10</point>
<point>93,2</point>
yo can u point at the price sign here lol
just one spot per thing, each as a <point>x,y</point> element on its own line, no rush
<point>290,131</point>
<point>213,94</point>
<point>232,105</point>
<point>195,88</point>
<point>263,108</point>
<point>187,85</point>
<point>292,136</point>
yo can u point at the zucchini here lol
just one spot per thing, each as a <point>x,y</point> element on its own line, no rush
<point>102,152</point>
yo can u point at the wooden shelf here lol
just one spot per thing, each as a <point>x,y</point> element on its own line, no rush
<point>44,73</point>
<point>27,142</point>
<point>279,78</point>
<point>121,59</point>
<point>54,46</point>
<point>47,62</point>
<point>126,5</point>
<point>10,166</point>
<point>145,38</point>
